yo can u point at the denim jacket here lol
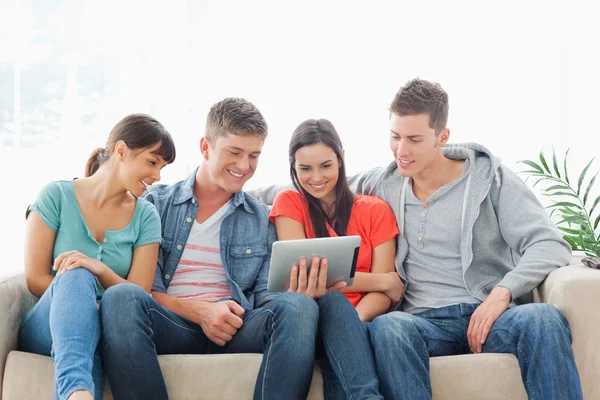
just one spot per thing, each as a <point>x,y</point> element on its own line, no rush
<point>246,239</point>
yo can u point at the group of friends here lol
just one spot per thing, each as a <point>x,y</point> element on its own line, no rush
<point>452,244</point>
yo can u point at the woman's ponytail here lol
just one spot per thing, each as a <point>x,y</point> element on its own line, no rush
<point>94,162</point>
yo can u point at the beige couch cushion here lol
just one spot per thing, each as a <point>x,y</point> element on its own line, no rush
<point>211,377</point>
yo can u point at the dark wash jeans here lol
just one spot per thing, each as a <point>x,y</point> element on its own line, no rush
<point>136,328</point>
<point>537,334</point>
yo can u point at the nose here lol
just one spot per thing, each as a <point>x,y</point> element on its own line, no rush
<point>156,175</point>
<point>243,163</point>
<point>401,149</point>
<point>316,176</point>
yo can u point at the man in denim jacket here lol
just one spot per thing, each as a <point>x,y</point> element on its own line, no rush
<point>210,290</point>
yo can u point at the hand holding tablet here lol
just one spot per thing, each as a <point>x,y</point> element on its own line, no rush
<point>309,277</point>
<point>313,265</point>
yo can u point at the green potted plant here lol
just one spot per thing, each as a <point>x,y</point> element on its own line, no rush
<point>578,216</point>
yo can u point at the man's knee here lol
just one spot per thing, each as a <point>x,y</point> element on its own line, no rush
<point>393,327</point>
<point>120,301</point>
<point>541,317</point>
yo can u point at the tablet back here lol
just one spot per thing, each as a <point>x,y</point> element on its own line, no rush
<point>341,253</point>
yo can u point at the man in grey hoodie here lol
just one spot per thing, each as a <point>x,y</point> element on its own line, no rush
<point>474,241</point>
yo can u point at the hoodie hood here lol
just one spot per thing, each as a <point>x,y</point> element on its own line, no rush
<point>482,162</point>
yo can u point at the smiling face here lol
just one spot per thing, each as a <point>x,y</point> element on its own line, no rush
<point>232,160</point>
<point>317,167</point>
<point>414,144</point>
<point>139,168</point>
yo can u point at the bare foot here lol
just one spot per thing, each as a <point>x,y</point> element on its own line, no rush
<point>81,395</point>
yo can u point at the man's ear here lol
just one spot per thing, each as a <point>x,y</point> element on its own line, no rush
<point>444,136</point>
<point>204,147</point>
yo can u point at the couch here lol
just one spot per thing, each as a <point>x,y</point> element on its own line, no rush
<point>574,289</point>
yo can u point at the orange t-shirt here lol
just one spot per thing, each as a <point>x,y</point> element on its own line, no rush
<point>371,219</point>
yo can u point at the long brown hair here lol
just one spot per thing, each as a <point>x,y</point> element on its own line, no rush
<point>138,131</point>
<point>311,132</point>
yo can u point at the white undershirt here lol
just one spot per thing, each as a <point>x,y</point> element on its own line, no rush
<point>200,274</point>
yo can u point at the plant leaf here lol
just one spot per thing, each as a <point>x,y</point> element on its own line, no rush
<point>571,242</point>
<point>569,231</point>
<point>538,181</point>
<point>554,163</point>
<point>557,187</point>
<point>587,192</point>
<point>544,163</point>
<point>594,206</point>
<point>565,166</point>
<point>596,222</point>
<point>561,194</point>
<point>582,176</point>
<point>581,242</point>
<point>533,165</point>
<point>565,204</point>
<point>575,219</point>
<point>569,211</point>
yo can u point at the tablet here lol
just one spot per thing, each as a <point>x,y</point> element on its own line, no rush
<point>341,253</point>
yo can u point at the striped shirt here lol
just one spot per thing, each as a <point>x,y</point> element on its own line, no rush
<point>200,274</point>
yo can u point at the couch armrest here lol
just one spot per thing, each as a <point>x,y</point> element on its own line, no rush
<point>15,299</point>
<point>574,291</point>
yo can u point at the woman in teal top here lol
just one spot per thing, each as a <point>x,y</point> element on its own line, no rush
<point>84,236</point>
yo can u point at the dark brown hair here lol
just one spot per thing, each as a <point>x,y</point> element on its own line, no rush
<point>236,116</point>
<point>138,131</point>
<point>311,132</point>
<point>419,96</point>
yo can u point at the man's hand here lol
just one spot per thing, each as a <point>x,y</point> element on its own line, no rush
<point>219,321</point>
<point>485,315</point>
<point>313,283</point>
<point>395,287</point>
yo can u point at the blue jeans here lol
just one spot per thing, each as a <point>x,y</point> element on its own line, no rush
<point>65,325</point>
<point>136,328</point>
<point>537,334</point>
<point>347,359</point>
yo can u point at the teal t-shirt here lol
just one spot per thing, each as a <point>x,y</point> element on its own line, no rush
<point>57,206</point>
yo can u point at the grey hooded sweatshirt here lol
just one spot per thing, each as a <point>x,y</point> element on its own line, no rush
<point>507,237</point>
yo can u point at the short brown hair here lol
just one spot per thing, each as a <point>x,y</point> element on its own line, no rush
<point>419,96</point>
<point>236,116</point>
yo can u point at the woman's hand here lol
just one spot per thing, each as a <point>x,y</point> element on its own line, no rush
<point>395,287</point>
<point>73,259</point>
<point>313,283</point>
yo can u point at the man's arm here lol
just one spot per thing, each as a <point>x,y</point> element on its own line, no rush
<point>261,295</point>
<point>367,182</point>
<point>267,194</point>
<point>219,321</point>
<point>362,183</point>
<point>529,231</point>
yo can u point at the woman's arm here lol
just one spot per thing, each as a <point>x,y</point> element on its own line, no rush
<point>143,269</point>
<point>377,303</point>
<point>39,246</point>
<point>289,229</point>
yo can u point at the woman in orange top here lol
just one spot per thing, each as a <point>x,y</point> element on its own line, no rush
<point>324,206</point>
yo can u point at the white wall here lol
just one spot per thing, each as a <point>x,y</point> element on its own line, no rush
<point>521,75</point>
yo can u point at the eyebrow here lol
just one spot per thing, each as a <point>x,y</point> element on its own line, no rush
<point>240,149</point>
<point>408,136</point>
<point>323,163</point>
